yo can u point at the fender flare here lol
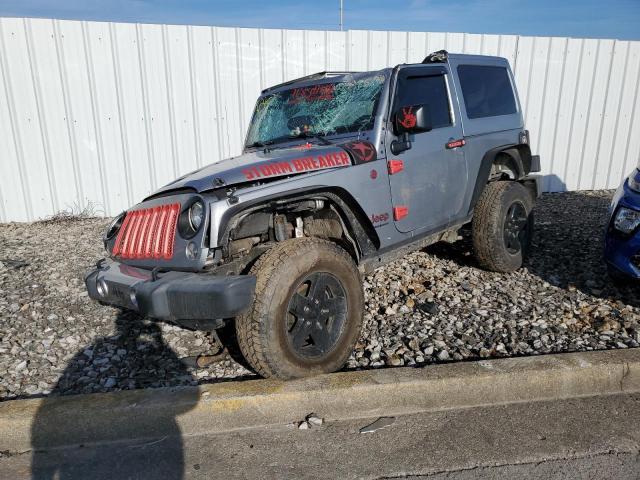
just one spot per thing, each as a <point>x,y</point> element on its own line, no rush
<point>519,162</point>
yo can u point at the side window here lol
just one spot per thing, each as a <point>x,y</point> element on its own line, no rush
<point>487,91</point>
<point>432,90</point>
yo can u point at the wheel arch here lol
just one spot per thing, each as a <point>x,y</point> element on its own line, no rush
<point>353,217</point>
<point>512,160</point>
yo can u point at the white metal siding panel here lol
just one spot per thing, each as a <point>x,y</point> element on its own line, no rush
<point>596,120</point>
<point>31,165</point>
<point>358,51</point>
<point>132,110</point>
<point>336,51</point>
<point>398,48</point>
<point>249,73</point>
<point>632,140</point>
<point>546,134</point>
<point>104,113</point>
<point>612,111</point>
<point>472,43</point>
<point>177,41</point>
<point>417,47</point>
<point>581,113</point>
<point>454,42</point>
<point>316,52</point>
<point>12,191</point>
<point>204,92</point>
<point>293,54</point>
<point>561,152</point>
<point>160,122</point>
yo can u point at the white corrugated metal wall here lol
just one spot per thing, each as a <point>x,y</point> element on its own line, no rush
<point>104,113</point>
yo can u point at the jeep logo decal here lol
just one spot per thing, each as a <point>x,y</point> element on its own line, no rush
<point>379,218</point>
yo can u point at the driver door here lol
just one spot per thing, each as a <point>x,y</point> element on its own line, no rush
<point>428,180</point>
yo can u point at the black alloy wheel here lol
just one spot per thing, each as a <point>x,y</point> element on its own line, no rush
<point>516,230</point>
<point>317,312</point>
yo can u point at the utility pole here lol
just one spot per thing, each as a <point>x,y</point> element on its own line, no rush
<point>341,15</point>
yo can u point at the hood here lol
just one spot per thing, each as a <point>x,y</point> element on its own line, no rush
<point>259,166</point>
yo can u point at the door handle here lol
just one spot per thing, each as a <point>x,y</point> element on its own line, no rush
<point>453,143</point>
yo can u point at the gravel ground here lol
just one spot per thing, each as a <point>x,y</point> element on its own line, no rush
<point>432,306</point>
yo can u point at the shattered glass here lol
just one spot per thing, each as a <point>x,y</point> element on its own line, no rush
<point>320,109</point>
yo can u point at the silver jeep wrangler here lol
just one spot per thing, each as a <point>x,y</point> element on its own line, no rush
<point>340,173</point>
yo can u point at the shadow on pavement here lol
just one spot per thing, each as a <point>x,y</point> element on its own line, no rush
<point>149,361</point>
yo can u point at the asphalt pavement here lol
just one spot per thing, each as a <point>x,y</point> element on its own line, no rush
<point>588,437</point>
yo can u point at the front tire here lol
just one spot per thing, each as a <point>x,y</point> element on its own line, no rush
<point>307,311</point>
<point>502,226</point>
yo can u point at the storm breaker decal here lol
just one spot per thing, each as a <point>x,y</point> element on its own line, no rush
<point>297,165</point>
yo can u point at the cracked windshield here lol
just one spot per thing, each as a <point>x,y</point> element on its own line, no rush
<point>322,109</point>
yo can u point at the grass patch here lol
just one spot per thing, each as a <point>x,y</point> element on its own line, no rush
<point>74,213</point>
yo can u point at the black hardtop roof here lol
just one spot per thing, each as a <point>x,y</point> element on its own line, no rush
<point>441,56</point>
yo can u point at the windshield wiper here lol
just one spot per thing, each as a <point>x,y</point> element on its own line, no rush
<point>260,144</point>
<point>318,136</point>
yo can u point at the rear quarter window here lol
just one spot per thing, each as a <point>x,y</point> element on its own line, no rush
<point>487,91</point>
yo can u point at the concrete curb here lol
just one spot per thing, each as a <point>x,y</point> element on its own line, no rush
<point>83,419</point>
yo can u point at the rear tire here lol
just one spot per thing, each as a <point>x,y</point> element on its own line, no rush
<point>307,311</point>
<point>502,226</point>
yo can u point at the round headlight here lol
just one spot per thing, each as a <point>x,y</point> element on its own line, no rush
<point>114,227</point>
<point>196,216</point>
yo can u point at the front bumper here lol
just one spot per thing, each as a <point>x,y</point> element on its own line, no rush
<point>622,252</point>
<point>174,296</point>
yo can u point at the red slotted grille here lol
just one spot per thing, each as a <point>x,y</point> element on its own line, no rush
<point>148,233</point>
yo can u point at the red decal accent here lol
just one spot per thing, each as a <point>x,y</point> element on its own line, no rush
<point>312,94</point>
<point>285,167</point>
<point>148,233</point>
<point>308,163</point>
<point>248,173</point>
<point>365,150</point>
<point>297,164</point>
<point>395,166</point>
<point>400,212</point>
<point>302,164</point>
<point>361,151</point>
<point>304,146</point>
<point>379,217</point>
<point>409,119</point>
<point>456,143</point>
<point>373,174</point>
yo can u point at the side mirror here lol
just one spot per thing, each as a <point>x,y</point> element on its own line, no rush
<point>413,119</point>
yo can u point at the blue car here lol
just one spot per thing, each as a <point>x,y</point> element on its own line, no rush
<point>622,240</point>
